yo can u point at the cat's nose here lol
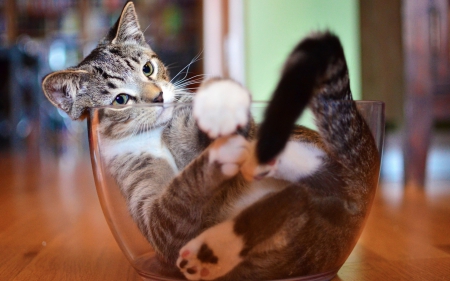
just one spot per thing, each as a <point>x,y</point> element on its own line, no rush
<point>159,98</point>
<point>151,93</point>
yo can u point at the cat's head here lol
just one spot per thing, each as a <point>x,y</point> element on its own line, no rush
<point>123,69</point>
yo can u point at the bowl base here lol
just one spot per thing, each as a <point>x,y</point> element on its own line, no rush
<point>150,268</point>
<point>326,276</point>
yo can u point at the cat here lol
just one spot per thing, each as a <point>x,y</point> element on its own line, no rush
<point>216,196</point>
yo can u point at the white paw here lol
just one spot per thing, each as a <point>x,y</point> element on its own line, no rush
<point>212,254</point>
<point>221,107</point>
<point>230,153</point>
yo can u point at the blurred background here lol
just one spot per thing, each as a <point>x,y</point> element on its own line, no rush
<point>397,52</point>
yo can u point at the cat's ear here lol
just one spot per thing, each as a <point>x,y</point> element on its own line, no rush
<point>62,89</point>
<point>126,29</point>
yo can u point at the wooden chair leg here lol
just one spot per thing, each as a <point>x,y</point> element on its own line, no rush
<point>418,128</point>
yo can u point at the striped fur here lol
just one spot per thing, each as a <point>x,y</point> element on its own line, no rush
<point>308,226</point>
<point>295,221</point>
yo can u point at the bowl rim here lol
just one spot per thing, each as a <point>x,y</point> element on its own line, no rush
<point>252,103</point>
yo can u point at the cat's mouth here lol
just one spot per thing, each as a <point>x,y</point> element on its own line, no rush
<point>165,112</point>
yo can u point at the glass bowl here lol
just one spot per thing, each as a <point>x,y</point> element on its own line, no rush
<point>134,245</point>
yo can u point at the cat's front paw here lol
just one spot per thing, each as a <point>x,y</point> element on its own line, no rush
<point>221,106</point>
<point>230,152</point>
<point>212,254</point>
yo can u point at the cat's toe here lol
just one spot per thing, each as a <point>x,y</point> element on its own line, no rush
<point>230,152</point>
<point>191,265</point>
<point>212,254</point>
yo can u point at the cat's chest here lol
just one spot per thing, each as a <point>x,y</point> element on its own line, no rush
<point>150,142</point>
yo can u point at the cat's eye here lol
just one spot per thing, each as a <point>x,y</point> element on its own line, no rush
<point>121,99</point>
<point>147,69</point>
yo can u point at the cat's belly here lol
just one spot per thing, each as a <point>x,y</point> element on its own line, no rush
<point>256,191</point>
<point>149,142</point>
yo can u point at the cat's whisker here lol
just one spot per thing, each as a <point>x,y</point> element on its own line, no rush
<point>181,89</point>
<point>169,66</point>
<point>189,83</point>
<point>143,128</point>
<point>188,88</point>
<point>196,78</point>
<point>148,125</point>
<point>135,128</point>
<point>187,67</point>
<point>183,93</point>
<point>134,132</point>
<point>146,28</point>
<point>138,127</point>
<point>144,123</point>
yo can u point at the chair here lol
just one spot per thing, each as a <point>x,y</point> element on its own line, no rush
<point>426,43</point>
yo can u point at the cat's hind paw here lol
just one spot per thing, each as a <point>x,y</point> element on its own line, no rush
<point>221,106</point>
<point>212,254</point>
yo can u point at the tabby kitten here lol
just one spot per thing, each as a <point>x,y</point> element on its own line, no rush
<point>187,177</point>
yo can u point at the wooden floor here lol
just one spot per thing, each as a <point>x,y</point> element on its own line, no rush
<point>52,228</point>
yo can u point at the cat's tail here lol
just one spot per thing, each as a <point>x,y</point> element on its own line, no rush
<point>314,74</point>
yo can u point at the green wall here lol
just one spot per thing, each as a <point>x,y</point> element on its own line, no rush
<point>273,28</point>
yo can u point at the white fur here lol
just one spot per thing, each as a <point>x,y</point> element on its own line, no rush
<point>150,142</point>
<point>169,92</point>
<point>221,107</point>
<point>297,161</point>
<point>224,243</point>
<point>257,190</point>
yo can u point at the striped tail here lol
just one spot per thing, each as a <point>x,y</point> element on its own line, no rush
<point>315,62</point>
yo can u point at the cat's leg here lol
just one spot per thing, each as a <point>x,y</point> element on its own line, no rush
<point>212,254</point>
<point>176,215</point>
<point>221,106</point>
<point>262,229</point>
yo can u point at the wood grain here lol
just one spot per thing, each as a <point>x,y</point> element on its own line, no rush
<point>406,236</point>
<point>52,228</point>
